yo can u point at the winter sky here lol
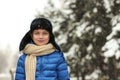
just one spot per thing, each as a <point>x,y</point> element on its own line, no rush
<point>15,18</point>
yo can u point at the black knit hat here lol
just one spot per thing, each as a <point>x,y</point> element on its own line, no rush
<point>39,23</point>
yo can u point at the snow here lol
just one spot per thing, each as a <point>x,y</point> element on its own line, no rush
<point>111,48</point>
<point>57,3</point>
<point>80,29</point>
<point>95,10</point>
<point>72,50</point>
<point>62,39</point>
<point>4,76</point>
<point>116,26</point>
<point>118,1</point>
<point>89,48</point>
<point>98,30</point>
<point>94,75</point>
<point>107,5</point>
<point>114,31</point>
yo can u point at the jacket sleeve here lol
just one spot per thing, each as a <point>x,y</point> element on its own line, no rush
<point>62,70</point>
<point>20,69</point>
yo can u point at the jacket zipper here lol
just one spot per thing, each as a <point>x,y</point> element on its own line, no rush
<point>41,67</point>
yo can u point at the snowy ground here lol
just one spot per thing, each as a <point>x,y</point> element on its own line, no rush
<point>5,77</point>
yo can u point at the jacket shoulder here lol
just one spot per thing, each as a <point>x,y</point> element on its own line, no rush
<point>22,56</point>
<point>21,59</point>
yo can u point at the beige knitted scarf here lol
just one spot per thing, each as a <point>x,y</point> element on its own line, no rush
<point>32,51</point>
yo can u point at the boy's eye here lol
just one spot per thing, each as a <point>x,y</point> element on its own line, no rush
<point>45,33</point>
<point>36,33</point>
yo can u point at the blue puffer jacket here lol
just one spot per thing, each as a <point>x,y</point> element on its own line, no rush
<point>49,67</point>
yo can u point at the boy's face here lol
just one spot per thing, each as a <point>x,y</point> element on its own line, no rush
<point>40,37</point>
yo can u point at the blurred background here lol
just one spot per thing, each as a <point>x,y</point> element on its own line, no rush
<point>88,31</point>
